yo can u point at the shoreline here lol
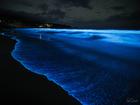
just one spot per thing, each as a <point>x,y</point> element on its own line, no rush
<point>21,86</point>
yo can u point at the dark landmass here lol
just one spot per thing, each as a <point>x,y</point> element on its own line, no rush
<point>17,21</point>
<point>20,86</point>
<point>8,23</point>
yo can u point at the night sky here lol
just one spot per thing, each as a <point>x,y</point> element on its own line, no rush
<point>79,13</point>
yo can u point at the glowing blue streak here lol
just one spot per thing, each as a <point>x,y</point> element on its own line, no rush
<point>131,37</point>
<point>80,30</point>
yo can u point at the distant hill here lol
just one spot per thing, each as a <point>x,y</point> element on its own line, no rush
<point>12,23</point>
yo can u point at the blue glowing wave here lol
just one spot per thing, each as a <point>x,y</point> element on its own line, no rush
<point>97,67</point>
<point>118,36</point>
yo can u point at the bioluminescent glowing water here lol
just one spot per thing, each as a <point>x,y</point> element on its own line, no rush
<point>97,67</point>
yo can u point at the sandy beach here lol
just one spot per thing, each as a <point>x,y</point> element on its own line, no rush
<point>20,86</point>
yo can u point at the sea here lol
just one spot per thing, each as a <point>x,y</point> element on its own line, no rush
<point>96,67</point>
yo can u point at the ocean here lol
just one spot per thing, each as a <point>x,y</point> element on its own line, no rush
<point>97,67</point>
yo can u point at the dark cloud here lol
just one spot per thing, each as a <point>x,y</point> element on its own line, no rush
<point>11,3</point>
<point>78,12</point>
<point>56,13</point>
<point>118,8</point>
<point>78,3</point>
<point>25,3</point>
<point>124,17</point>
<point>43,8</point>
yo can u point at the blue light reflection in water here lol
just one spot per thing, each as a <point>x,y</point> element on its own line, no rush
<point>97,67</point>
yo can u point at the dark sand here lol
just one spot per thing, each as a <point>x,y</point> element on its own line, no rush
<point>20,86</point>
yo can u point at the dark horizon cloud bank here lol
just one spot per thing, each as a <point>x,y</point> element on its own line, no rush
<point>80,13</point>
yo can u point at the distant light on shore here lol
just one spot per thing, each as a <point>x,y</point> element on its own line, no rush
<point>45,25</point>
